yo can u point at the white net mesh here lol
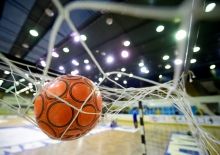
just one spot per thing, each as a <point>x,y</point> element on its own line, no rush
<point>118,98</point>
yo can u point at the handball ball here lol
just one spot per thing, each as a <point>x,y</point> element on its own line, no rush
<point>54,116</point>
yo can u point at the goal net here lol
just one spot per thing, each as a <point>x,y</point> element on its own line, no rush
<point>32,79</point>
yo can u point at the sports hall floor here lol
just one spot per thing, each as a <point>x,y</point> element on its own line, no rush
<point>103,141</point>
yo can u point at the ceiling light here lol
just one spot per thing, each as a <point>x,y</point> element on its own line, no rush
<point>75,63</point>
<point>147,71</point>
<point>119,75</point>
<point>160,76</point>
<point>196,49</point>
<point>126,43</point>
<point>143,69</point>
<point>123,69</point>
<point>75,72</point>
<point>180,34</point>
<point>27,92</point>
<point>124,54</point>
<point>192,61</point>
<point>83,37</point>
<point>25,45</point>
<point>103,53</point>
<point>178,61</point>
<point>66,50</point>
<point>141,64</point>
<point>125,82</point>
<point>43,63</point>
<point>73,34</point>
<point>61,68</point>
<point>86,61</point>
<point>160,28</point>
<point>166,57</point>
<point>167,66</point>
<point>33,33</point>
<point>212,66</point>
<point>110,59</point>
<point>54,54</point>
<point>130,75</point>
<point>116,78</point>
<point>210,7</point>
<point>76,38</point>
<point>49,12</point>
<point>109,21</point>
<point>88,67</point>
<point>100,79</point>
<point>1,81</point>
<point>6,72</point>
<point>21,80</point>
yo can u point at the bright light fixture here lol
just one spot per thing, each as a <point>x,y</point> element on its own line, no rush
<point>167,66</point>
<point>6,72</point>
<point>116,78</point>
<point>54,54</point>
<point>75,72</point>
<point>192,61</point>
<point>25,45</point>
<point>1,81</point>
<point>21,80</point>
<point>119,75</point>
<point>88,67</point>
<point>66,50</point>
<point>166,57</point>
<point>86,61</point>
<point>76,38</point>
<point>180,34</point>
<point>196,49</point>
<point>124,54</point>
<point>123,69</point>
<point>178,61</point>
<point>160,76</point>
<point>27,92</point>
<point>144,70</point>
<point>33,33</point>
<point>212,66</point>
<point>43,63</point>
<point>125,82</point>
<point>126,43</point>
<point>130,75</point>
<point>75,63</point>
<point>160,28</point>
<point>83,37</point>
<point>210,7</point>
<point>100,79</point>
<point>141,64</point>
<point>61,68</point>
<point>110,59</point>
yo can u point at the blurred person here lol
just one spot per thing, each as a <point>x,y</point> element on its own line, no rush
<point>135,117</point>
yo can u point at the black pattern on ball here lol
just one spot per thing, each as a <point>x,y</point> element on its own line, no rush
<point>48,118</point>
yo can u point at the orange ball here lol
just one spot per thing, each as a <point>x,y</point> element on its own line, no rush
<point>54,116</point>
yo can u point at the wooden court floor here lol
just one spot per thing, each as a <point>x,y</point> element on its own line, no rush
<point>110,142</point>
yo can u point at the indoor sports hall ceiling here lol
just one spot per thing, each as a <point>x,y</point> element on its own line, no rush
<point>18,17</point>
